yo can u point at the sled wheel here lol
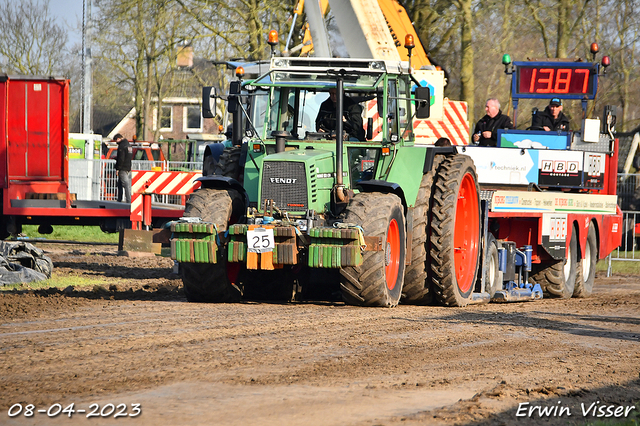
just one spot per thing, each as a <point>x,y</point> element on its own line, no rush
<point>584,282</point>
<point>213,282</point>
<point>378,280</point>
<point>558,278</point>
<point>455,231</point>
<point>492,274</point>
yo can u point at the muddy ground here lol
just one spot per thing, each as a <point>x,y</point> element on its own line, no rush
<point>135,340</point>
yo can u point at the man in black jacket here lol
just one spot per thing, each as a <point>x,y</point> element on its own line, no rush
<point>486,130</point>
<point>123,167</point>
<point>552,118</point>
<point>352,116</point>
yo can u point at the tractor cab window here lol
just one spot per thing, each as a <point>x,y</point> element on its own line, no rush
<point>404,110</point>
<point>392,108</point>
<point>285,116</point>
<point>362,164</point>
<point>303,119</point>
<point>257,109</point>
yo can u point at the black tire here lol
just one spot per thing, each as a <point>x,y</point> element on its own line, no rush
<point>456,206</point>
<point>558,278</point>
<point>229,164</point>
<point>587,266</point>
<point>379,215</point>
<point>417,289</point>
<point>491,267</point>
<point>209,282</point>
<point>209,165</point>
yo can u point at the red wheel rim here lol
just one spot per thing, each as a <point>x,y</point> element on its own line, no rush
<point>466,234</point>
<point>392,254</point>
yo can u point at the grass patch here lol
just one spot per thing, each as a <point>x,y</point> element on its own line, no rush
<point>628,267</point>
<point>58,281</point>
<point>72,233</point>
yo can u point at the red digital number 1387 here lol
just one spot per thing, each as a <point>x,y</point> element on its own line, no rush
<point>560,84</point>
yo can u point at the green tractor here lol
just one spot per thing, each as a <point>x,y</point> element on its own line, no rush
<point>304,204</point>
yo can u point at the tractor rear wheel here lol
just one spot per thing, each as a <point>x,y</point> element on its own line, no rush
<point>455,231</point>
<point>558,278</point>
<point>584,280</point>
<point>229,164</point>
<point>417,288</point>
<point>209,165</point>
<point>378,281</point>
<point>213,282</point>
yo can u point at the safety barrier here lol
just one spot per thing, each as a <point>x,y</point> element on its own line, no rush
<point>146,184</point>
<point>96,180</point>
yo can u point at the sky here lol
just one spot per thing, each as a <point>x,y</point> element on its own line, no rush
<point>69,15</point>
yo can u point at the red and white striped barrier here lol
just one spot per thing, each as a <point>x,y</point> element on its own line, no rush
<point>162,183</point>
<point>453,125</point>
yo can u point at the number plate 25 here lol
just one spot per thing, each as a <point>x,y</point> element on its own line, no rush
<point>260,240</point>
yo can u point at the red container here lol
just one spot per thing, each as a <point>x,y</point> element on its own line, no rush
<point>34,127</point>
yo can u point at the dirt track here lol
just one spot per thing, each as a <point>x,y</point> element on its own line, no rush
<point>136,340</point>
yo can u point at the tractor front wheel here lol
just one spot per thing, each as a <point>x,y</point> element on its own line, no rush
<point>378,281</point>
<point>213,282</point>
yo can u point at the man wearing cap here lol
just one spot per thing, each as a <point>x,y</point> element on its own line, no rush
<point>486,130</point>
<point>552,118</point>
<point>123,167</point>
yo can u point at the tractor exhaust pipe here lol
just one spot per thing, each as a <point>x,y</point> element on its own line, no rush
<point>280,137</point>
<point>340,190</point>
<point>339,141</point>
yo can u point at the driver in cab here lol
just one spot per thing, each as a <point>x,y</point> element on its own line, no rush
<point>352,116</point>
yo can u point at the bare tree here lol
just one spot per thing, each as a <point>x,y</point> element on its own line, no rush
<point>31,42</point>
<point>137,39</point>
<point>563,16</point>
<point>242,25</point>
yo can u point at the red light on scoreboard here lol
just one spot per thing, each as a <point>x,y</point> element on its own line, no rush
<point>555,79</point>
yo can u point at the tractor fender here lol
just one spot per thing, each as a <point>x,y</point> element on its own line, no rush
<point>383,187</point>
<point>223,182</point>
<point>431,155</point>
<point>215,150</point>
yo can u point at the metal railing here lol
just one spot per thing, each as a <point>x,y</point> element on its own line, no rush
<point>627,187</point>
<point>630,245</point>
<point>96,180</point>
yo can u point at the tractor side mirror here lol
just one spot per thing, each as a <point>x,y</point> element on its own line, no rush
<point>423,102</point>
<point>208,102</point>
<point>235,87</point>
<point>369,134</point>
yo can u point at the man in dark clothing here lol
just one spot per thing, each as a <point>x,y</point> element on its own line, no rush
<point>123,167</point>
<point>352,112</point>
<point>552,118</point>
<point>486,130</point>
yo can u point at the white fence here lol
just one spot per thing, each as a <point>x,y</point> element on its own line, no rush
<point>96,180</point>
